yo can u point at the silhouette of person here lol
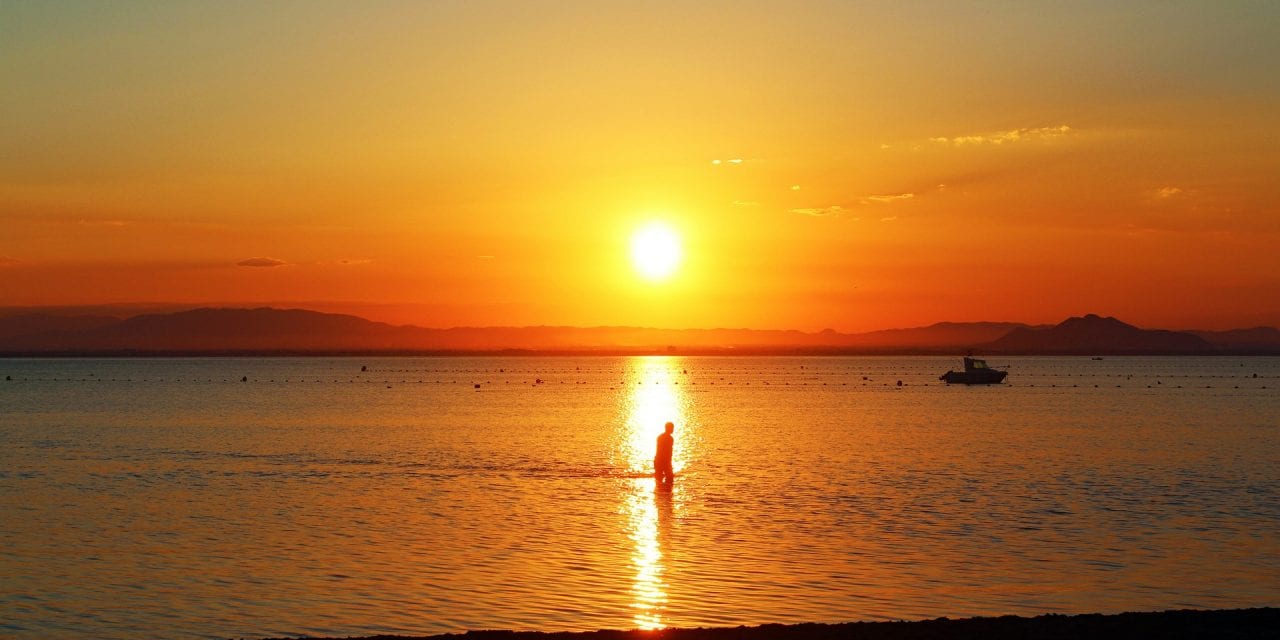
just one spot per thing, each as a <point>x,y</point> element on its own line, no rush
<point>662,471</point>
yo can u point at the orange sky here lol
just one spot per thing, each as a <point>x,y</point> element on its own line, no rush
<point>486,163</point>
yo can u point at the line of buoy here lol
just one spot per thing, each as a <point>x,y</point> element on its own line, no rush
<point>540,381</point>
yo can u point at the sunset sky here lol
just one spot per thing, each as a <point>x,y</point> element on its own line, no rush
<point>821,164</point>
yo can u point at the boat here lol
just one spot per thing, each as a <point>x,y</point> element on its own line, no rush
<point>975,372</point>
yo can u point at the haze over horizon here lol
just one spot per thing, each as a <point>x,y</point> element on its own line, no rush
<point>772,166</point>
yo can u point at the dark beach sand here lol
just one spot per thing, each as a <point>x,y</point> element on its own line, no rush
<point>1233,623</point>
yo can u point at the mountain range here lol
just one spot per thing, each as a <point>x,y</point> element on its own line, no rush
<point>270,330</point>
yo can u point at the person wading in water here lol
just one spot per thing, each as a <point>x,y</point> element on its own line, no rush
<point>662,471</point>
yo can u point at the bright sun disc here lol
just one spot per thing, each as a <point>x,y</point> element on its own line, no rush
<point>655,251</point>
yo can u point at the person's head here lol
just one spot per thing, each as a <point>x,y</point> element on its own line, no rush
<point>669,427</point>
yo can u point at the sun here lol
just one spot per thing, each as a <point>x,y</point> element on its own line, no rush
<point>655,251</point>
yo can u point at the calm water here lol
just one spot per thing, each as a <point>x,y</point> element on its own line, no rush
<point>165,497</point>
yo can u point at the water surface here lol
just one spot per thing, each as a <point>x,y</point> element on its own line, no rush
<point>166,497</point>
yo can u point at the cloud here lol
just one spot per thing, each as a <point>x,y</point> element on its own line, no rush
<point>730,161</point>
<point>1171,196</point>
<point>888,219</point>
<point>837,210</point>
<point>998,138</point>
<point>485,257</point>
<point>104,223</point>
<point>341,262</point>
<point>261,262</point>
<point>745,203</point>
<point>887,199</point>
<point>6,262</point>
<point>831,211</point>
<point>795,187</point>
<point>1009,137</point>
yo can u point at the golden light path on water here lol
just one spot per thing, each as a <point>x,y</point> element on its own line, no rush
<point>654,398</point>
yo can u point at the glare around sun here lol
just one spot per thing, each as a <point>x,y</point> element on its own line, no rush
<point>655,251</point>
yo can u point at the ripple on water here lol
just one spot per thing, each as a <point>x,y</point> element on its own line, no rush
<point>345,508</point>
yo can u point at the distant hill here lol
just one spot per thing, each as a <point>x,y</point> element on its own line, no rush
<point>298,330</point>
<point>42,322</point>
<point>942,335</point>
<point>216,330</point>
<point>1092,334</point>
<point>269,330</point>
<point>1255,339</point>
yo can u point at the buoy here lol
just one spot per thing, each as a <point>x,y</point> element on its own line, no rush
<point>364,368</point>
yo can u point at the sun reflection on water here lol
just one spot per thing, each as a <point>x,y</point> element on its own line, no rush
<point>648,532</point>
<point>654,398</point>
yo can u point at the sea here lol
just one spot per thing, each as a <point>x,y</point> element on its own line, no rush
<point>261,497</point>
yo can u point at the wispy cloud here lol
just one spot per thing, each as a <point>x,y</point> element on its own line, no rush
<point>745,203</point>
<point>729,161</point>
<point>837,210</point>
<point>7,261</point>
<point>341,262</point>
<point>1007,137</point>
<point>1012,136</point>
<point>104,223</point>
<point>887,199</point>
<point>261,262</point>
<point>1165,193</point>
<point>831,211</point>
<point>888,219</point>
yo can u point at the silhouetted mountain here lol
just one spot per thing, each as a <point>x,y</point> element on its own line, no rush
<point>267,330</point>
<point>32,323</point>
<point>1093,334</point>
<point>292,330</point>
<point>220,330</point>
<point>1255,339</point>
<point>946,335</point>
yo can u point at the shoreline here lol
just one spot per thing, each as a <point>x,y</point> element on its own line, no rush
<point>1179,623</point>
